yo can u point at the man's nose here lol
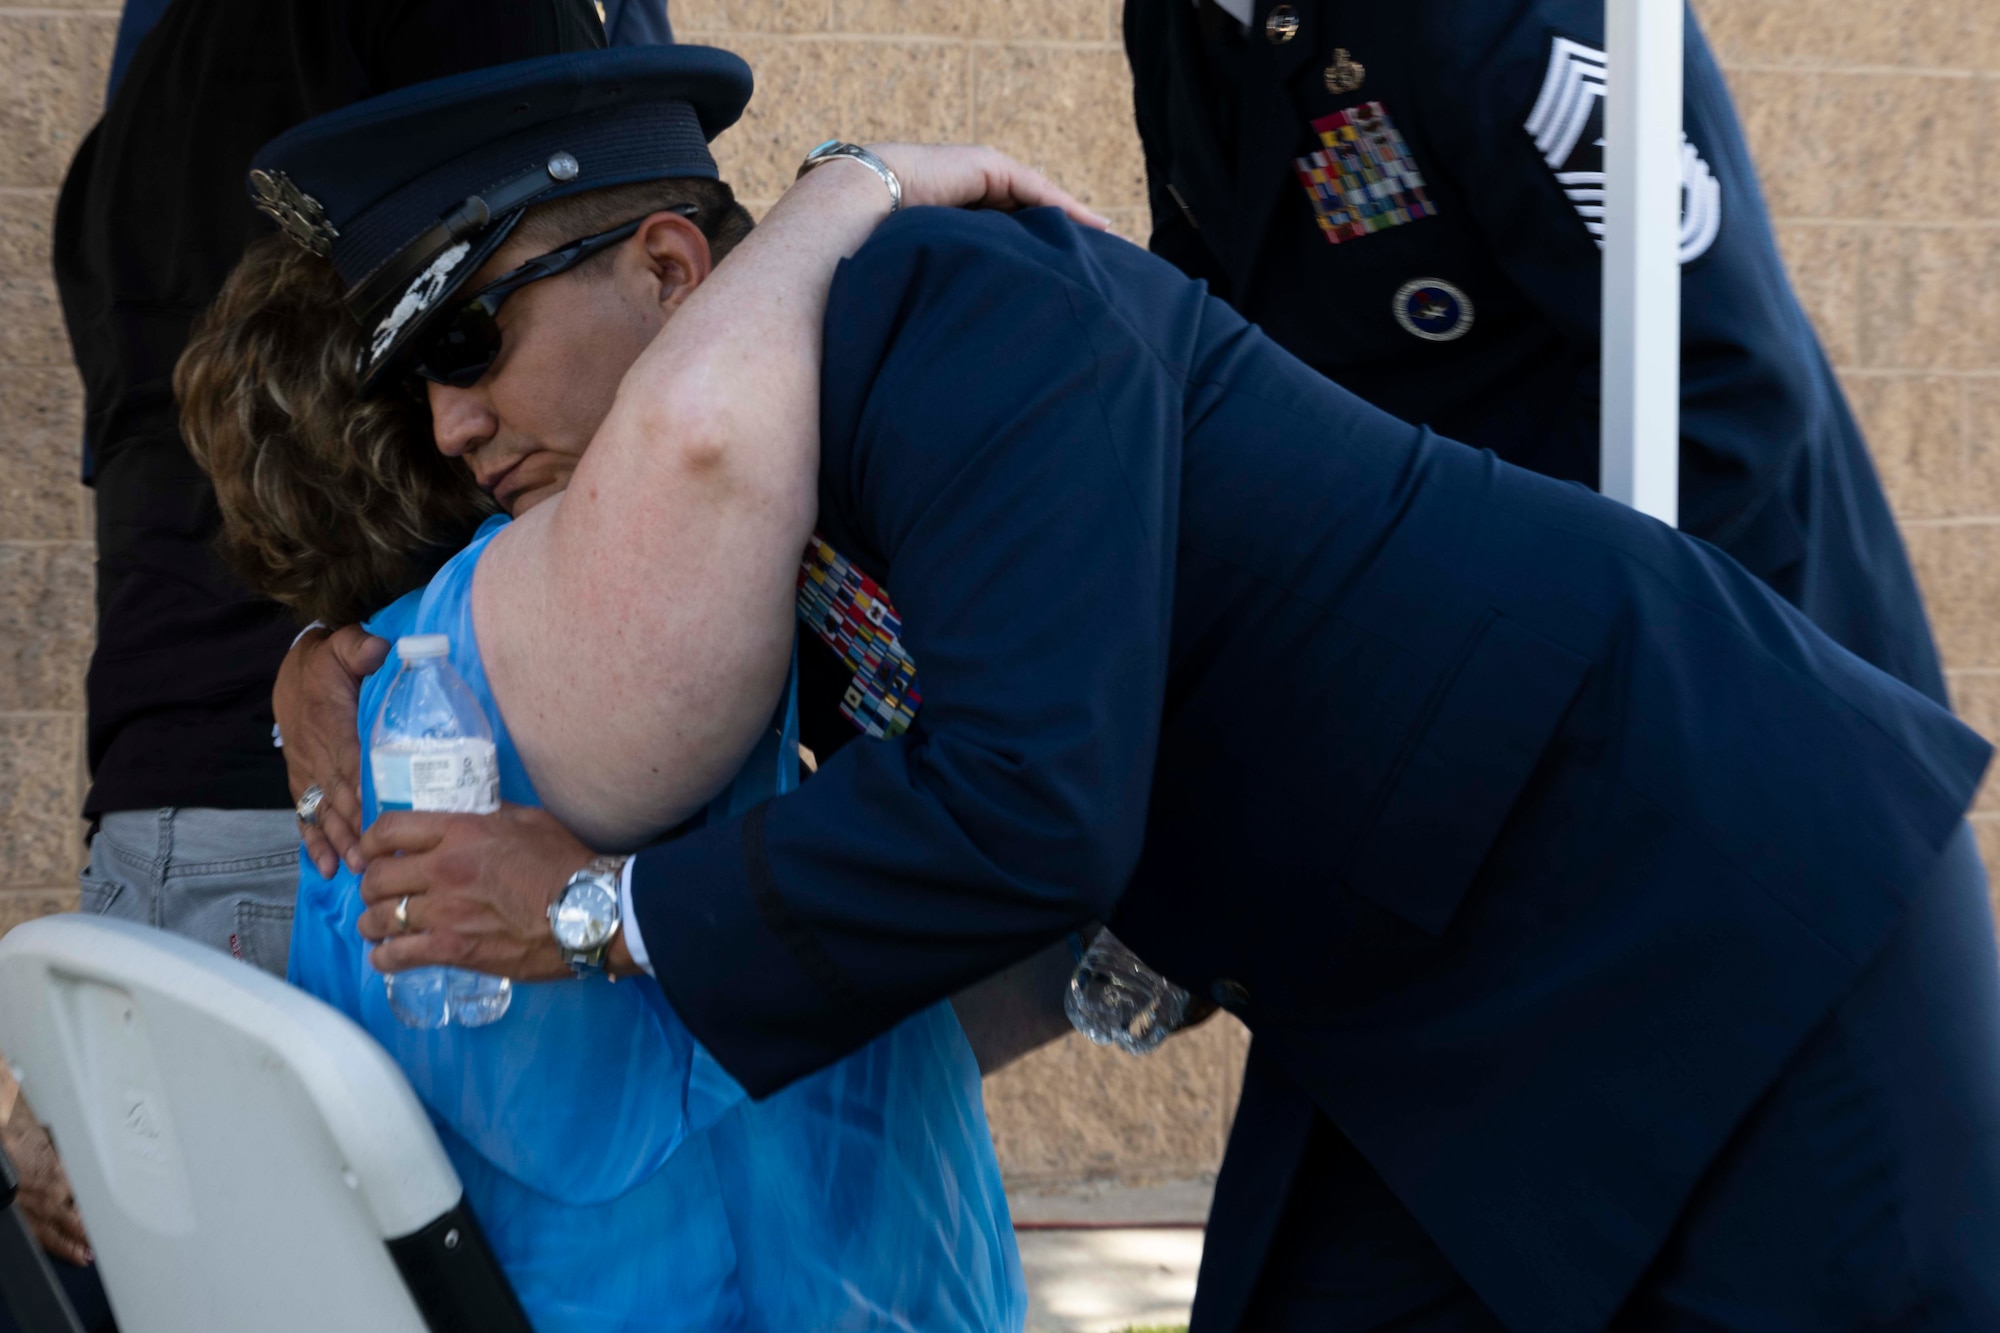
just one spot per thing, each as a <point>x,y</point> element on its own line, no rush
<point>461,419</point>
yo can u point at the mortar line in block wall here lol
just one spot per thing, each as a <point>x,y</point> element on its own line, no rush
<point>1855,71</point>
<point>722,37</point>
<point>1904,373</point>
<point>1894,224</point>
<point>1969,521</point>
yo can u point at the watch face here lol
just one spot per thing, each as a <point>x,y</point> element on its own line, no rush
<point>584,918</point>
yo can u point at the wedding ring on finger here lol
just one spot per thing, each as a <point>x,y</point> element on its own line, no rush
<point>403,915</point>
<point>308,807</point>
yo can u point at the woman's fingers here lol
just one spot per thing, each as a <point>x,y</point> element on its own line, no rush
<point>340,821</point>
<point>1023,187</point>
<point>319,851</point>
<point>318,687</point>
<point>357,652</point>
<point>977,177</point>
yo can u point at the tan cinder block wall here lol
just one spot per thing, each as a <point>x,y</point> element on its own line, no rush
<point>53,60</point>
<point>1873,128</point>
<point>1873,123</point>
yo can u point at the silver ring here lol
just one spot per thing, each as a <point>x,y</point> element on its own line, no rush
<point>403,915</point>
<point>308,807</point>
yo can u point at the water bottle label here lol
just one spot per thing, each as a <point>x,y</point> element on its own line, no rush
<point>462,778</point>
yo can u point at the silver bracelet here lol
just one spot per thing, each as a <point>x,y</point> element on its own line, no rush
<point>833,148</point>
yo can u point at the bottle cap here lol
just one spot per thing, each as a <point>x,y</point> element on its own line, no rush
<point>415,647</point>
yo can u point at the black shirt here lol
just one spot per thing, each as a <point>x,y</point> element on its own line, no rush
<point>153,216</point>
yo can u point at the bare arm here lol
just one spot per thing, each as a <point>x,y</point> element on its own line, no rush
<point>637,630</point>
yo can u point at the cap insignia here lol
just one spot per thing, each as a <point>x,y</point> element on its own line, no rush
<point>418,297</point>
<point>297,213</point>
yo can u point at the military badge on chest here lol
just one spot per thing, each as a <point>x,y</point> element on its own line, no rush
<point>1567,125</point>
<point>1362,178</point>
<point>855,617</point>
<point>1433,309</point>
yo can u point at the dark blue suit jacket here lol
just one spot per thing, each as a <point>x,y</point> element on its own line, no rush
<point>1529,834</point>
<point>1773,467</point>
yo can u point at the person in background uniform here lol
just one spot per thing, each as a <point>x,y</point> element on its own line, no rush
<point>635,22</point>
<point>193,829</point>
<point>1410,198</point>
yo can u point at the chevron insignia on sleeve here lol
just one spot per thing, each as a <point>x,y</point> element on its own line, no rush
<point>1567,126</point>
<point>855,617</point>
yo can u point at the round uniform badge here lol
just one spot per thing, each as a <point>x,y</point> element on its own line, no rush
<point>1433,309</point>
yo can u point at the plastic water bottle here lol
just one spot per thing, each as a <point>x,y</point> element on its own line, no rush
<point>1116,1000</point>
<point>432,749</point>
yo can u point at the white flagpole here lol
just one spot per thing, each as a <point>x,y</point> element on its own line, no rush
<point>1640,440</point>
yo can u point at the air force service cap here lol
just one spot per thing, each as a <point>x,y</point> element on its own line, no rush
<point>409,193</point>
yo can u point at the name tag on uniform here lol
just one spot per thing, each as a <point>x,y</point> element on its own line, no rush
<point>1362,179</point>
<point>851,613</point>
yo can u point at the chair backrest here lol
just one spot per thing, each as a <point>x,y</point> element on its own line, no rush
<point>242,1154</point>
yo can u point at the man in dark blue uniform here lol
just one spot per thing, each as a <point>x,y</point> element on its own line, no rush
<point>1410,198</point>
<point>1624,929</point>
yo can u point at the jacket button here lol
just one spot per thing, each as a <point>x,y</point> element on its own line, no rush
<point>1230,993</point>
<point>1281,25</point>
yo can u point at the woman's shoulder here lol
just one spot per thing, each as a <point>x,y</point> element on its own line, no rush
<point>442,606</point>
<point>417,611</point>
<point>398,618</point>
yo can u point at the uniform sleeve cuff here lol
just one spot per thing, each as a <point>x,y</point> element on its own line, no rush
<point>635,943</point>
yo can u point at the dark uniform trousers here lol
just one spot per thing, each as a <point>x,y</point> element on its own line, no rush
<point>1773,467</point>
<point>1623,924</point>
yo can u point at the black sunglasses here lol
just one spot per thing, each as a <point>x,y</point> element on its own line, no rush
<point>465,346</point>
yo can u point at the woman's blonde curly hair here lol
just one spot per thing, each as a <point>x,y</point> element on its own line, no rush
<point>331,503</point>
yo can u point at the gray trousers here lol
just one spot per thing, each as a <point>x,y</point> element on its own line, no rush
<point>224,878</point>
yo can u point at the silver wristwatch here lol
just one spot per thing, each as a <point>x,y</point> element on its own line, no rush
<point>833,148</point>
<point>587,913</point>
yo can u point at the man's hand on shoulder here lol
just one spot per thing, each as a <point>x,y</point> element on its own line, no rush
<point>475,892</point>
<point>315,700</point>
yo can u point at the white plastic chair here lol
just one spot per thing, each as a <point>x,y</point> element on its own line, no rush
<point>245,1158</point>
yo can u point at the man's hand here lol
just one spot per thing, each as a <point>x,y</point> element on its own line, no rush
<point>479,889</point>
<point>318,689</point>
<point>45,1198</point>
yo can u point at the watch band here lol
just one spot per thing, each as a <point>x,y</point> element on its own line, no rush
<point>833,148</point>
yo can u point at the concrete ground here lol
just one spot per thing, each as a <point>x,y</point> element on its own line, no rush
<point>1103,1259</point>
<point>1107,1280</point>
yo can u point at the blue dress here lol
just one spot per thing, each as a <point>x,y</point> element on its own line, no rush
<point>624,1180</point>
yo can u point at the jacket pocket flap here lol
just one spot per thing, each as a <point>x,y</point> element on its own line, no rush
<point>1463,772</point>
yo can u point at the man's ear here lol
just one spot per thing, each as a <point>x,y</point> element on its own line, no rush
<point>677,253</point>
